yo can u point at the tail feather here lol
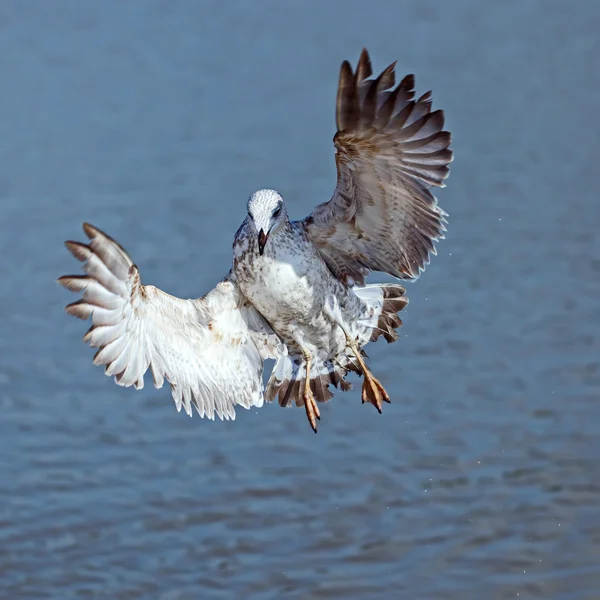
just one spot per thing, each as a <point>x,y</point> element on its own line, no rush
<point>288,379</point>
<point>384,302</point>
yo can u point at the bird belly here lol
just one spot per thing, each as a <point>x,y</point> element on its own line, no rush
<point>285,292</point>
<point>292,287</point>
<point>281,291</point>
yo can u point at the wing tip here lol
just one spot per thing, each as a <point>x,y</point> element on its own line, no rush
<point>79,250</point>
<point>79,309</point>
<point>364,68</point>
<point>90,230</point>
<point>66,281</point>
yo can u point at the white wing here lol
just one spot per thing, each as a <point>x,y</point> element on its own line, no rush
<point>211,349</point>
<point>391,150</point>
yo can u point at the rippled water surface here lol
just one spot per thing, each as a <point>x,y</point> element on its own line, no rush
<point>155,120</point>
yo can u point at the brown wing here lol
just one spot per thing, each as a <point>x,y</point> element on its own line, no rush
<point>390,150</point>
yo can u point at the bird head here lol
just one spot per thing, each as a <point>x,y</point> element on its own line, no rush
<point>266,212</point>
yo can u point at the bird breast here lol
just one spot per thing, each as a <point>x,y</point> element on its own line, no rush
<point>280,286</point>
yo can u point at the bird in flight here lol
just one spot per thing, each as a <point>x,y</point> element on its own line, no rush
<point>296,292</point>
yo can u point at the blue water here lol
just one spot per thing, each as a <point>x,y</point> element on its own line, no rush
<point>155,121</point>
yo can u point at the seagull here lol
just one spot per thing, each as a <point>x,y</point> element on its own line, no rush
<point>296,292</point>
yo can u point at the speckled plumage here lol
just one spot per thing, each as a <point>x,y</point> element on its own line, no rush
<point>290,284</point>
<point>296,291</point>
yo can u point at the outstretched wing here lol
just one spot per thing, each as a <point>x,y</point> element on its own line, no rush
<point>390,151</point>
<point>211,350</point>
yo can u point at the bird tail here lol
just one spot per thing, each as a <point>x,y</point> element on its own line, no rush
<point>383,303</point>
<point>289,378</point>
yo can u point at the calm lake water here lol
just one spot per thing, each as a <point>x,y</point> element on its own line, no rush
<point>155,121</point>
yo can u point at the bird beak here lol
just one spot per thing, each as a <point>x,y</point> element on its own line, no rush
<point>262,240</point>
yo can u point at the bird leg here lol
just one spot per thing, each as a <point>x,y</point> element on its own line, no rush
<point>372,390</point>
<point>312,410</point>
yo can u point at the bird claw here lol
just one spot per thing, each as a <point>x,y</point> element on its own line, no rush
<point>373,392</point>
<point>312,410</point>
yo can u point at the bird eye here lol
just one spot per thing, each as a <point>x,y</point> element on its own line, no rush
<point>277,212</point>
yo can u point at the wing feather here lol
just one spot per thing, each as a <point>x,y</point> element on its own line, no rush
<point>211,349</point>
<point>390,151</point>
